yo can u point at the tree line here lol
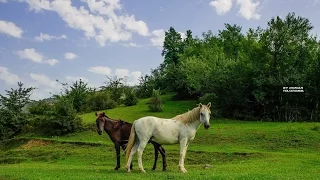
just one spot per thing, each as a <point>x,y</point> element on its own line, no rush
<point>244,74</point>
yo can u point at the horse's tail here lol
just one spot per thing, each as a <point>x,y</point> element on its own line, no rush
<point>131,142</point>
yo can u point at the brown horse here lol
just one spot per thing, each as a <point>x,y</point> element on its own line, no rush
<point>119,132</point>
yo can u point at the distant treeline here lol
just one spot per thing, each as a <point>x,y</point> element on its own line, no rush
<point>244,75</point>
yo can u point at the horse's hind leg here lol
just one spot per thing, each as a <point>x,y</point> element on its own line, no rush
<point>133,151</point>
<point>156,153</point>
<point>163,154</point>
<point>124,148</point>
<point>141,147</point>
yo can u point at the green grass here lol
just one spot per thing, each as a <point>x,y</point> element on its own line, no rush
<point>234,149</point>
<point>131,113</point>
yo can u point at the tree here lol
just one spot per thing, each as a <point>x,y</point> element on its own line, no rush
<point>77,92</point>
<point>12,116</point>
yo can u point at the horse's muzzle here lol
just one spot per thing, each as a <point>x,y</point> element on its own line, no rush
<point>206,126</point>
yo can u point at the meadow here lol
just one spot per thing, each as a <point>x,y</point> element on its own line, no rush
<point>229,149</point>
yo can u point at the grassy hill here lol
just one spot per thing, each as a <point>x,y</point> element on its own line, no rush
<point>233,149</point>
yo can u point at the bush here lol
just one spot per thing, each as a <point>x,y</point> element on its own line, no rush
<point>99,101</point>
<point>130,98</point>
<point>61,120</point>
<point>40,108</point>
<point>155,104</point>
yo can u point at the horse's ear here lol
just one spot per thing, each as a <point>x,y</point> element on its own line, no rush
<point>95,113</point>
<point>209,105</point>
<point>200,105</point>
<point>103,114</point>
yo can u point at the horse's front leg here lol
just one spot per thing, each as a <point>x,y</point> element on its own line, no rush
<point>117,147</point>
<point>183,150</point>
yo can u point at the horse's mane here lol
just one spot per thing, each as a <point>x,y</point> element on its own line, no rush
<point>189,117</point>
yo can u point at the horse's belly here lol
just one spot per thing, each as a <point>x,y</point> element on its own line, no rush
<point>163,136</point>
<point>165,140</point>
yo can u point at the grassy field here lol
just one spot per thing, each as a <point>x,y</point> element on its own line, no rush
<point>230,149</point>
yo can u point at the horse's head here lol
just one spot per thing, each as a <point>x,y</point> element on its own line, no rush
<point>205,114</point>
<point>100,121</point>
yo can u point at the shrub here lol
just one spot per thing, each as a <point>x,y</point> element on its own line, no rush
<point>155,103</point>
<point>99,101</point>
<point>130,98</point>
<point>61,120</point>
<point>40,108</point>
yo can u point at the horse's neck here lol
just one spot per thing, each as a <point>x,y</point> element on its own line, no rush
<point>109,125</point>
<point>196,124</point>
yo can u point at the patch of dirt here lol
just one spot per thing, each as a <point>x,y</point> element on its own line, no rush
<point>35,143</point>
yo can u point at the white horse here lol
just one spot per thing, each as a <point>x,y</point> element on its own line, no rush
<point>180,129</point>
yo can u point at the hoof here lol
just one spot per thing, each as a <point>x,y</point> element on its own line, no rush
<point>128,169</point>
<point>116,168</point>
<point>183,170</point>
<point>142,170</point>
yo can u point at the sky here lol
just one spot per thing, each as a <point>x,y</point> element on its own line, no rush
<point>45,40</point>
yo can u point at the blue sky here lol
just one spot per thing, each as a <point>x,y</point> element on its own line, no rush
<point>45,40</point>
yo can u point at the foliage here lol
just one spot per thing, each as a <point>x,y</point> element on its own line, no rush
<point>12,116</point>
<point>116,86</point>
<point>155,103</point>
<point>77,93</point>
<point>100,100</point>
<point>130,98</point>
<point>246,72</point>
<point>40,108</point>
<point>62,119</point>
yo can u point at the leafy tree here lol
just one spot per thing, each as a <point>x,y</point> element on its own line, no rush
<point>12,116</point>
<point>77,93</point>
<point>116,86</point>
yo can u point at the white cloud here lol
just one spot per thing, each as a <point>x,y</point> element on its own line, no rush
<point>46,81</point>
<point>43,37</point>
<point>3,1</point>
<point>77,78</point>
<point>7,77</point>
<point>33,55</point>
<point>103,70</point>
<point>183,35</point>
<point>121,73</point>
<point>132,45</point>
<point>30,54</point>
<point>70,56</point>
<point>45,86</point>
<point>11,29</point>
<point>221,6</point>
<point>249,9</point>
<point>134,78</point>
<point>100,22</point>
<point>51,62</point>
<point>158,37</point>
